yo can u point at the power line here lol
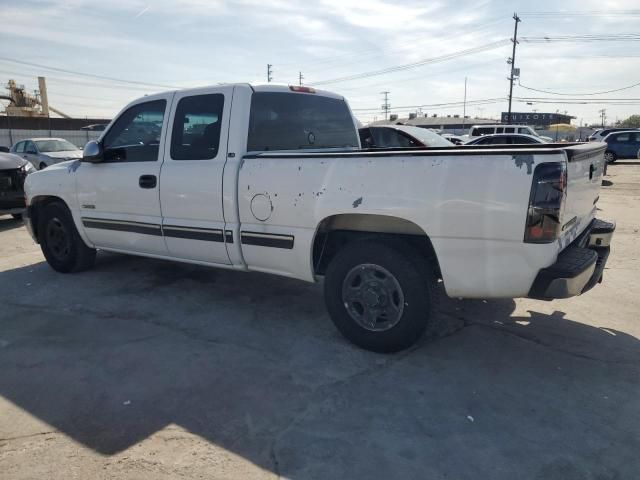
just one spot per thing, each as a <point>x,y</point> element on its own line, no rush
<point>578,94</point>
<point>81,82</point>
<point>621,37</point>
<point>377,51</point>
<point>82,74</point>
<point>427,61</point>
<point>484,101</point>
<point>580,101</point>
<point>587,13</point>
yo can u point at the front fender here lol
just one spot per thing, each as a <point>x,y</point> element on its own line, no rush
<point>56,182</point>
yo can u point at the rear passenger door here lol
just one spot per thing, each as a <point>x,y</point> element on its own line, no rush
<point>193,222</point>
<point>623,145</point>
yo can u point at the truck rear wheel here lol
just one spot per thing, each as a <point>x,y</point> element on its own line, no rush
<point>60,242</point>
<point>380,294</point>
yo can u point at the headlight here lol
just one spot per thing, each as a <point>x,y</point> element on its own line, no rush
<point>27,168</point>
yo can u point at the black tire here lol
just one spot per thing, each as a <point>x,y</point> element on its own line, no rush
<point>17,216</point>
<point>60,242</point>
<point>610,157</point>
<point>42,166</point>
<point>411,272</point>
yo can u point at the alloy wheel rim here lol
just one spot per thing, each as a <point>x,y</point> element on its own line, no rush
<point>373,297</point>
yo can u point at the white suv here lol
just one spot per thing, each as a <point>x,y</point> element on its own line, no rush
<point>480,130</point>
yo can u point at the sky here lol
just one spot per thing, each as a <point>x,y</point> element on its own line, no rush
<point>144,47</point>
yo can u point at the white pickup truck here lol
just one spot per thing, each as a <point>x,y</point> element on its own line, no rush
<point>272,179</point>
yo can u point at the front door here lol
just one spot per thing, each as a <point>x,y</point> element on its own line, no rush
<point>191,178</point>
<point>31,154</point>
<point>119,197</point>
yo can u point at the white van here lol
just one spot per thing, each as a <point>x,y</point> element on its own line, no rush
<point>480,130</point>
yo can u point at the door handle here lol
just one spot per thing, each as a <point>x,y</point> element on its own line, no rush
<point>148,181</point>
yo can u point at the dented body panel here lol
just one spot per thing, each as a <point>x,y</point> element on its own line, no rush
<point>268,208</point>
<point>471,204</point>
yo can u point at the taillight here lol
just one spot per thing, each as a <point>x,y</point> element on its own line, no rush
<point>548,194</point>
<point>296,88</point>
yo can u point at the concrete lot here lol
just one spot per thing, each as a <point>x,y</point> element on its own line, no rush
<point>152,370</point>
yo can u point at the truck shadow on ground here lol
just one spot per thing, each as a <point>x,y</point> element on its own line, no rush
<point>8,222</point>
<point>251,363</point>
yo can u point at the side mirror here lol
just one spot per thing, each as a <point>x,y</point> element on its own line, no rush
<point>92,152</point>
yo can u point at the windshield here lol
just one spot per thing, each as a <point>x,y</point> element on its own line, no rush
<point>55,146</point>
<point>429,138</point>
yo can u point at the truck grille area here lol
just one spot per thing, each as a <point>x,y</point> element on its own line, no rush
<point>11,180</point>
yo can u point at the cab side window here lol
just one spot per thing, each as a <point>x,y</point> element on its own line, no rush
<point>135,136</point>
<point>20,147</point>
<point>485,131</point>
<point>196,127</point>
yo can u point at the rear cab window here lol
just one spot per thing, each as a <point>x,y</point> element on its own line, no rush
<point>298,121</point>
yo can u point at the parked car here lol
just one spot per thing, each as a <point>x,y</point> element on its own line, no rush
<point>4,149</point>
<point>455,139</point>
<point>600,135</point>
<point>44,152</point>
<point>277,182</point>
<point>97,127</point>
<point>480,130</point>
<point>621,145</point>
<point>505,139</point>
<point>13,171</point>
<point>398,136</point>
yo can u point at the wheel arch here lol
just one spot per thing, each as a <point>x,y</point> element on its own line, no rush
<point>36,208</point>
<point>336,231</point>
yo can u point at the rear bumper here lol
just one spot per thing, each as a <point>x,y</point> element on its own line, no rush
<point>579,267</point>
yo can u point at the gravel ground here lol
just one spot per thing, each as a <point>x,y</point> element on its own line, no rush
<point>142,369</point>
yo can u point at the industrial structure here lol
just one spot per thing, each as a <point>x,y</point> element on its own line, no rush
<point>25,104</point>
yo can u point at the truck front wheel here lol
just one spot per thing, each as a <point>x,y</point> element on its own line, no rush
<point>61,244</point>
<point>380,294</point>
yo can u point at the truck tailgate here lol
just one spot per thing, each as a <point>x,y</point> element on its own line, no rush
<point>585,169</point>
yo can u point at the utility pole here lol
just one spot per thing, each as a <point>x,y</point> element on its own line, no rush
<point>300,77</point>
<point>603,115</point>
<point>512,61</point>
<point>464,104</point>
<point>385,105</point>
<point>269,72</point>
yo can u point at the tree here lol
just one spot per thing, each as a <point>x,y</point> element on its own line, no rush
<point>632,122</point>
